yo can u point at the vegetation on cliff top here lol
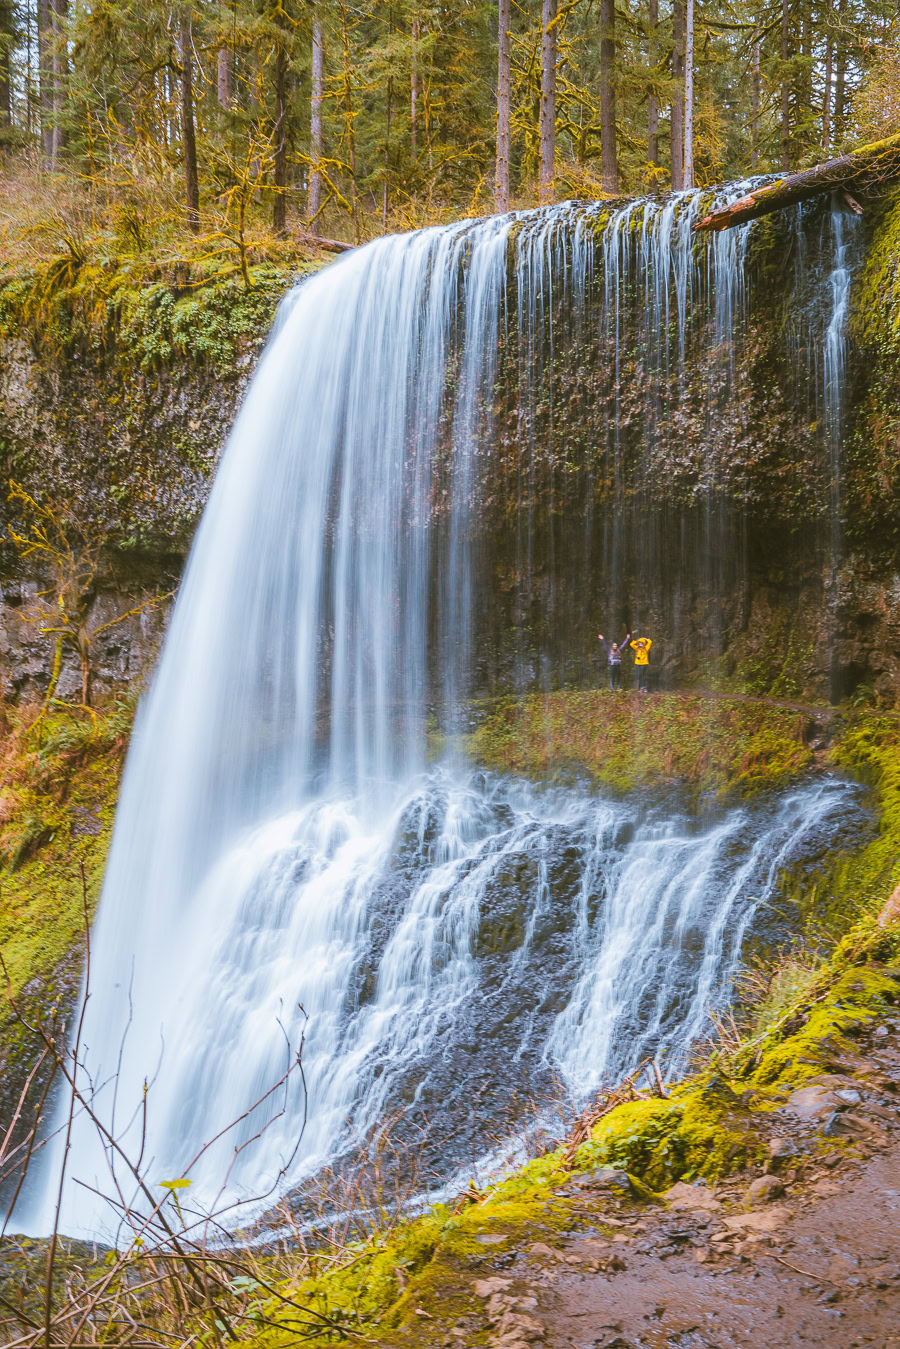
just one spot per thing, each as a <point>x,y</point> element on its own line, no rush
<point>137,313</point>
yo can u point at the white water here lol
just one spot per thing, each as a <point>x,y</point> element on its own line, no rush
<point>280,839</point>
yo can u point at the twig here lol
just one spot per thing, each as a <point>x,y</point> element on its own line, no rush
<point>817,1278</point>
<point>51,1253</point>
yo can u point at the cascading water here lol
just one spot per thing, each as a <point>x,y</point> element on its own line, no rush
<point>281,837</point>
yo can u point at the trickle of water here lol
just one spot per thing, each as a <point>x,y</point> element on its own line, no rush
<point>280,840</point>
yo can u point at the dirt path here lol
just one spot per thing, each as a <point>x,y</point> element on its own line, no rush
<point>805,1251</point>
<point>827,1274</point>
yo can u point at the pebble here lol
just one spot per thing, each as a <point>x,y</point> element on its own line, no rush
<point>764,1189</point>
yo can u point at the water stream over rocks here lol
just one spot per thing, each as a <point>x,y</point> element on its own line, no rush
<point>283,838</point>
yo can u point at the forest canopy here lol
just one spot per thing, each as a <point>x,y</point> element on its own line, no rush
<point>346,119</point>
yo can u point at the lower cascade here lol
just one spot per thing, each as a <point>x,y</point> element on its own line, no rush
<point>302,847</point>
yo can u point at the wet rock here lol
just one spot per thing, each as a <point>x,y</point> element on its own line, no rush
<point>692,1196</point>
<point>764,1189</point>
<point>605,1178</point>
<point>781,1150</point>
<point>816,1102</point>
<point>485,1288</point>
<point>517,1328</point>
<point>766,1220</point>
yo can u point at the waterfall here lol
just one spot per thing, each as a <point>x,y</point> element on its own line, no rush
<point>401,498</point>
<point>834,349</point>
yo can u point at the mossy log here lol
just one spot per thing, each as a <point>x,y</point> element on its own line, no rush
<point>862,171</point>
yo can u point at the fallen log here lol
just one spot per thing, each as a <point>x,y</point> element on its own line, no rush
<point>330,245</point>
<point>863,171</point>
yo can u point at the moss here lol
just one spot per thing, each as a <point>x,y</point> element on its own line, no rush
<point>857,997</point>
<point>869,747</point>
<point>94,307</point>
<point>708,744</point>
<point>871,460</point>
<point>58,808</point>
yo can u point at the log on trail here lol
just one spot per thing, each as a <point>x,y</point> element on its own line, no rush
<point>863,171</point>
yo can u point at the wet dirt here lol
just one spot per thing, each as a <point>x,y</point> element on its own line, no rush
<point>802,1251</point>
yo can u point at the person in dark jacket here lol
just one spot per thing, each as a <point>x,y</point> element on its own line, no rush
<point>614,659</point>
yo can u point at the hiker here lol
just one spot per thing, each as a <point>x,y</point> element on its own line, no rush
<point>614,657</point>
<point>641,647</point>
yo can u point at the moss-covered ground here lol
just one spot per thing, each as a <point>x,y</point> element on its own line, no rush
<point>706,743</point>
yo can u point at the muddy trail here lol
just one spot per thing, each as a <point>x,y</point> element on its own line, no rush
<point>802,1251</point>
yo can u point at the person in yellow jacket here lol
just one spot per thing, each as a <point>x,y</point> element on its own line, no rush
<point>641,647</point>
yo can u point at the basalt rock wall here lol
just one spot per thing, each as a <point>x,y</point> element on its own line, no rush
<point>117,421</point>
<point>717,532</point>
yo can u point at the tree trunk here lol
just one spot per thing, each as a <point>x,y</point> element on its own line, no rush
<point>609,164</point>
<point>387,153</point>
<point>279,134</point>
<point>188,141</point>
<point>348,116</point>
<point>754,124</point>
<point>6,39</point>
<point>86,679</point>
<point>653,99</point>
<point>315,119</point>
<point>548,99</point>
<point>501,167</point>
<point>45,79</point>
<point>826,93</point>
<point>223,78</point>
<point>837,121</point>
<point>413,88</point>
<point>677,106</point>
<point>864,171</point>
<point>785,86</point>
<point>59,65</point>
<point>688,178</point>
<point>804,75</point>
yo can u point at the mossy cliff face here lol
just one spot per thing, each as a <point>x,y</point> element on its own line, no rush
<point>115,402</point>
<point>679,474</point>
<point>614,491</point>
<point>59,781</point>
